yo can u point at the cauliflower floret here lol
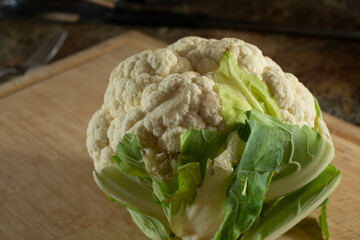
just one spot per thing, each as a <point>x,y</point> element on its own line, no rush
<point>157,94</point>
<point>178,102</point>
<point>97,141</point>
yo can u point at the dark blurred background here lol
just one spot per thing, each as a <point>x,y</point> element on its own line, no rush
<point>316,40</point>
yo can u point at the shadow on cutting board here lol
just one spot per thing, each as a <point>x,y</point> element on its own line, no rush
<point>308,228</point>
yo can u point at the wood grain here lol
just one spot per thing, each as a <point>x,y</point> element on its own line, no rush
<point>46,185</point>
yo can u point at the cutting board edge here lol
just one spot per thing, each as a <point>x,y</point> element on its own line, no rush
<point>342,128</point>
<point>71,61</point>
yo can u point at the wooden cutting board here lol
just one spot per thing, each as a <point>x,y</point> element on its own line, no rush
<point>46,185</point>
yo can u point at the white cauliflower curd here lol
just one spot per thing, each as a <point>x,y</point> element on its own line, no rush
<point>157,94</point>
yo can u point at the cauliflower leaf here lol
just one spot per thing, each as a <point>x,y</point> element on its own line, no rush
<point>291,209</point>
<point>306,155</point>
<point>240,92</point>
<point>252,177</point>
<point>199,146</point>
<point>129,158</point>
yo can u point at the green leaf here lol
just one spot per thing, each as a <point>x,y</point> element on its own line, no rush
<point>199,146</point>
<point>193,209</point>
<point>252,176</point>
<point>151,226</point>
<point>317,109</point>
<point>293,208</point>
<point>232,154</point>
<point>306,155</point>
<point>175,193</point>
<point>128,156</point>
<point>240,92</point>
<point>131,191</point>
<point>206,213</point>
<point>178,193</point>
<point>322,220</point>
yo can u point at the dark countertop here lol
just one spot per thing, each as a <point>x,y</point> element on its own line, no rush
<point>328,67</point>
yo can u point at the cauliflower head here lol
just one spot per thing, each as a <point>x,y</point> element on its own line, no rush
<point>157,94</point>
<point>198,138</point>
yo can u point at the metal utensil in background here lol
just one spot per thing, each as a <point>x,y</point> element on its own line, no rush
<point>44,54</point>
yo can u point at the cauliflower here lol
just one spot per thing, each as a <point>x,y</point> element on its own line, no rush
<point>157,94</point>
<point>209,139</point>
